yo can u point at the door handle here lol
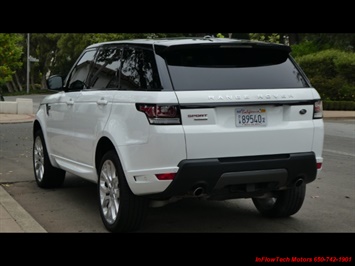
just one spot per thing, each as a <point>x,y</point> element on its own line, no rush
<point>102,101</point>
<point>48,107</point>
<point>70,102</point>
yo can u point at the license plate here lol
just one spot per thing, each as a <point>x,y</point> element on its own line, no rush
<point>250,117</point>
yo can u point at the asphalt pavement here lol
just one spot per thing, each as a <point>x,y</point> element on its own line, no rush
<point>15,219</point>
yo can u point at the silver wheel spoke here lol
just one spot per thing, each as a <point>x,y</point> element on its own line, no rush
<point>109,191</point>
<point>39,159</point>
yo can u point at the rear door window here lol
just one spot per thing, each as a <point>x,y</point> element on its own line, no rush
<point>139,70</point>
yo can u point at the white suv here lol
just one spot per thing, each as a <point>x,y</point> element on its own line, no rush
<point>151,121</point>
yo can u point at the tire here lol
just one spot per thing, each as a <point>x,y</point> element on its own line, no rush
<point>46,175</point>
<point>284,204</point>
<point>120,209</point>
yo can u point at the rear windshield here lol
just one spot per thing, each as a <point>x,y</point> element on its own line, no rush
<point>232,67</point>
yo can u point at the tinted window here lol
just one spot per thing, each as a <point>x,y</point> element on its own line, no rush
<point>78,76</point>
<point>105,70</point>
<point>228,68</point>
<point>139,70</point>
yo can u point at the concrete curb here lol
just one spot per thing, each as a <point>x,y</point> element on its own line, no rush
<point>14,218</point>
<point>16,118</point>
<point>20,106</point>
<point>338,114</point>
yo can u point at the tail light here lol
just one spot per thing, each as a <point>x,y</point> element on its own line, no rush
<point>161,114</point>
<point>318,110</point>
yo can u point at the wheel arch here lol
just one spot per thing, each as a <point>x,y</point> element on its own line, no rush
<point>36,126</point>
<point>103,145</point>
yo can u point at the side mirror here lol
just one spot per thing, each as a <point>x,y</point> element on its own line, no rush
<point>55,83</point>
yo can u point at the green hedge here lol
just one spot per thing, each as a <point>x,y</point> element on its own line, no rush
<point>339,105</point>
<point>331,72</point>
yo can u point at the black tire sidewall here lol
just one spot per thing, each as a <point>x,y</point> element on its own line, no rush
<point>288,202</point>
<point>113,157</point>
<point>52,177</point>
<point>39,134</point>
<point>131,209</point>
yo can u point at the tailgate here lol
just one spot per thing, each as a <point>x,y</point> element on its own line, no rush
<point>247,122</point>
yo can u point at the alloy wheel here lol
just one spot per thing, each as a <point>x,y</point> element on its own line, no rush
<point>38,155</point>
<point>109,191</point>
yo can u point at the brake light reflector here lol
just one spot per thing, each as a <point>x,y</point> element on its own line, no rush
<point>318,110</point>
<point>161,114</point>
<point>319,166</point>
<point>166,176</point>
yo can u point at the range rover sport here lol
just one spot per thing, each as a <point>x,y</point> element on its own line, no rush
<point>154,120</point>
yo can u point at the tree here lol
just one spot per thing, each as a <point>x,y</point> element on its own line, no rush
<point>10,55</point>
<point>341,41</point>
<point>44,47</point>
<point>266,37</point>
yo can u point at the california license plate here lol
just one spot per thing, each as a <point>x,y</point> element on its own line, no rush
<point>250,117</point>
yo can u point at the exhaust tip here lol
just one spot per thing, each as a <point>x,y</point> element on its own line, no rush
<point>299,182</point>
<point>198,191</point>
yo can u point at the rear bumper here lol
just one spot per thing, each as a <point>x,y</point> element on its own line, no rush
<point>240,177</point>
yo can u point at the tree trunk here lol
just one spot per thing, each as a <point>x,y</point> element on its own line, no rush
<point>294,38</point>
<point>47,63</point>
<point>9,87</point>
<point>18,82</point>
<point>44,83</point>
<point>14,85</point>
<point>32,83</point>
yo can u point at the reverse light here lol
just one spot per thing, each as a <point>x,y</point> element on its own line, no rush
<point>318,110</point>
<point>166,176</point>
<point>161,114</point>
